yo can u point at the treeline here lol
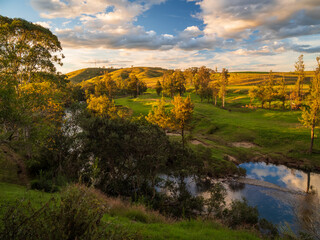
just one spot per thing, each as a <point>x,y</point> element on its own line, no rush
<point>307,100</point>
<point>207,83</point>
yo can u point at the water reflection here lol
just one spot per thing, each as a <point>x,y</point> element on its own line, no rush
<point>301,211</point>
<point>283,176</point>
<point>295,207</point>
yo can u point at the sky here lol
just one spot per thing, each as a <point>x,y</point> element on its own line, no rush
<point>241,35</point>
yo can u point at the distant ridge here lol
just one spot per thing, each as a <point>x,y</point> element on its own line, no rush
<point>87,73</point>
<point>148,74</point>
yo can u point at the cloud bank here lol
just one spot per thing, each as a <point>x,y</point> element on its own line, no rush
<point>239,28</point>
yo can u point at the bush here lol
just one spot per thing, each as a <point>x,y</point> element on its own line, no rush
<point>240,213</point>
<point>76,215</point>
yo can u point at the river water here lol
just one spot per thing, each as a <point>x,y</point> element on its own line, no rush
<point>280,194</point>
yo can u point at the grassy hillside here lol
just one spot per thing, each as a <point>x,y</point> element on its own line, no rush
<point>254,78</point>
<point>276,135</point>
<point>136,219</point>
<point>152,74</point>
<point>86,74</point>
<point>147,74</point>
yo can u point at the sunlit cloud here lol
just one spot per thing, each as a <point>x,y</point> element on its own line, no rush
<point>242,34</point>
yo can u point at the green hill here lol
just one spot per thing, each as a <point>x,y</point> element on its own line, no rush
<point>87,73</point>
<point>150,75</point>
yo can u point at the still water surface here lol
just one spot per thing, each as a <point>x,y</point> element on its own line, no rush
<point>276,205</point>
<point>278,192</point>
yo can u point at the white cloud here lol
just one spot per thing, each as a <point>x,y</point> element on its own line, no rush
<point>268,30</point>
<point>45,24</point>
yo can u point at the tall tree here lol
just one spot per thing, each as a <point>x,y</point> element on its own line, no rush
<point>202,82</point>
<point>158,87</point>
<point>189,74</point>
<point>282,92</point>
<point>181,114</point>
<point>180,82</point>
<point>168,83</point>
<point>110,85</point>
<point>223,84</point>
<point>269,89</point>
<point>28,55</point>
<point>214,87</point>
<point>311,112</point>
<point>27,49</point>
<point>299,69</point>
<point>136,86</point>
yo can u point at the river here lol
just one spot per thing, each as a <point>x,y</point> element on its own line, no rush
<point>279,193</point>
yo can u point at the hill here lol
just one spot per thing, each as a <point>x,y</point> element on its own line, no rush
<point>86,74</point>
<point>254,78</point>
<point>150,75</point>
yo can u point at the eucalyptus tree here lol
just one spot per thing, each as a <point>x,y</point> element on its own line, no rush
<point>223,84</point>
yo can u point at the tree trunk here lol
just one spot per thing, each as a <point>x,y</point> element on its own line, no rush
<point>283,104</point>
<point>182,135</point>
<point>223,101</point>
<point>312,138</point>
<point>215,100</point>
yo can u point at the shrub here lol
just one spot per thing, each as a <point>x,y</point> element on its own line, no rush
<point>76,215</point>
<point>240,213</point>
<point>215,204</point>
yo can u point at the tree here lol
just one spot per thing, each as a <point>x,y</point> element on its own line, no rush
<point>311,112</point>
<point>269,92</point>
<point>102,106</point>
<point>202,82</point>
<point>158,87</point>
<point>158,115</point>
<point>223,84</point>
<point>181,114</point>
<point>282,92</point>
<point>110,85</point>
<point>259,93</point>
<point>136,86</point>
<point>299,69</point>
<point>189,74</point>
<point>27,49</point>
<point>176,119</point>
<point>214,88</point>
<point>180,82</point>
<point>174,82</point>
<point>36,92</point>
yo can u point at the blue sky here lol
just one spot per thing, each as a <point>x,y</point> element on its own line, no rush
<point>241,35</point>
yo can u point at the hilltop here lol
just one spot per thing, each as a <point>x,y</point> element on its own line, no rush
<point>150,75</point>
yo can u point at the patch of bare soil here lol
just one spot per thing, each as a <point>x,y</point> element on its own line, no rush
<point>172,134</point>
<point>232,159</point>
<point>244,144</point>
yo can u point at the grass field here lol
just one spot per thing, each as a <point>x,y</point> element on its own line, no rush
<point>276,135</point>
